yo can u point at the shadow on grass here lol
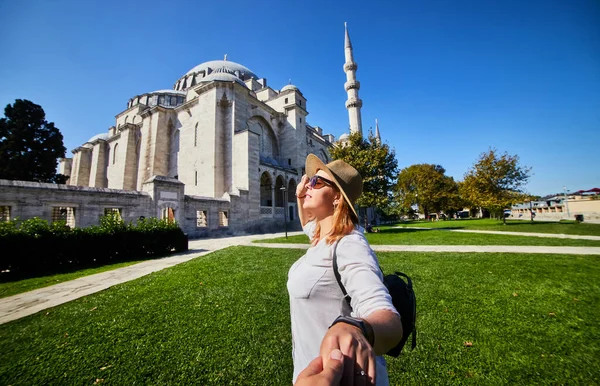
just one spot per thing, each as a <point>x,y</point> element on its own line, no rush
<point>13,276</point>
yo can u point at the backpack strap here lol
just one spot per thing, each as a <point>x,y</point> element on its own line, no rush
<point>336,272</point>
<point>410,287</point>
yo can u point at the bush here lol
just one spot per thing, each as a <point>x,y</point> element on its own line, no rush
<point>40,248</point>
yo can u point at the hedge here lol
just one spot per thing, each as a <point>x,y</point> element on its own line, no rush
<point>34,247</point>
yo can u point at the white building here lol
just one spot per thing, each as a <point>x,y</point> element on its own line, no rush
<point>220,151</point>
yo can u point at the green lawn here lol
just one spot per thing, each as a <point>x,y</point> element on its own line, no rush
<point>16,287</point>
<point>223,319</point>
<point>569,228</point>
<point>411,236</point>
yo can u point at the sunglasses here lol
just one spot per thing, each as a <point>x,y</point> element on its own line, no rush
<point>317,182</point>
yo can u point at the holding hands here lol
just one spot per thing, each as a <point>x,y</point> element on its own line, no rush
<point>359,356</point>
<point>318,375</point>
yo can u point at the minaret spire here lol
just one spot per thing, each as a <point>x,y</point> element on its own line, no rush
<point>354,103</point>
<point>377,135</point>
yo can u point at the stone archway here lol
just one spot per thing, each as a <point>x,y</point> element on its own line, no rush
<point>291,206</point>
<point>266,190</point>
<point>291,188</point>
<point>168,211</point>
<point>268,142</point>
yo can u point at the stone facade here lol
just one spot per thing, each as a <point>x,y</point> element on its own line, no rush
<point>220,152</point>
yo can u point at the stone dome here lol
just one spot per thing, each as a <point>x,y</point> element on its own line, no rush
<point>289,87</point>
<point>344,137</point>
<point>102,136</point>
<point>223,66</point>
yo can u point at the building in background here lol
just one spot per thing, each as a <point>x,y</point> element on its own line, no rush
<point>221,151</point>
<point>582,205</point>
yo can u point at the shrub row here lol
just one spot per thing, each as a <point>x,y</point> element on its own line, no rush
<point>34,247</point>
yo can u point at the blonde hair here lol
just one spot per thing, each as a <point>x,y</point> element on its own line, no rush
<point>344,221</point>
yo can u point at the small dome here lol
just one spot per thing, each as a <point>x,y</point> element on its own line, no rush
<point>168,92</point>
<point>289,87</point>
<point>344,137</point>
<point>102,136</point>
<point>222,76</point>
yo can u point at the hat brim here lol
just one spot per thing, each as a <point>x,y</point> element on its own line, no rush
<point>314,164</point>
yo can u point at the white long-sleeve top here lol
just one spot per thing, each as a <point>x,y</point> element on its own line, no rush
<point>316,298</point>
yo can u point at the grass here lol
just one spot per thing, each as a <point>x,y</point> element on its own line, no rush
<point>16,287</point>
<point>223,319</point>
<point>412,236</point>
<point>568,228</point>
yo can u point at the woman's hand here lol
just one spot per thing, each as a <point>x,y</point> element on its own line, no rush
<point>301,188</point>
<point>359,356</point>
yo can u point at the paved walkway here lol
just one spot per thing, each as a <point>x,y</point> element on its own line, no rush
<point>550,235</point>
<point>21,305</point>
<point>463,248</point>
<point>18,306</point>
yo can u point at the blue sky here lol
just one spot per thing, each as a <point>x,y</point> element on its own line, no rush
<point>446,79</point>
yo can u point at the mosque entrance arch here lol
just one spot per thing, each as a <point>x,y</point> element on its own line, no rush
<point>268,144</point>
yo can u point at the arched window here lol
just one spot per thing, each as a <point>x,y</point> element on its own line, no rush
<point>291,190</point>
<point>115,153</point>
<point>126,118</point>
<point>268,145</point>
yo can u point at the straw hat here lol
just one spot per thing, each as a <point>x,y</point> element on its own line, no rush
<point>345,177</point>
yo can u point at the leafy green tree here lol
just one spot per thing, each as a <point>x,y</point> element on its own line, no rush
<point>495,182</point>
<point>376,163</point>
<point>427,186</point>
<point>29,145</point>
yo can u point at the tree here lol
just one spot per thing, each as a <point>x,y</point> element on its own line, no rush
<point>494,182</point>
<point>29,145</point>
<point>376,163</point>
<point>428,187</point>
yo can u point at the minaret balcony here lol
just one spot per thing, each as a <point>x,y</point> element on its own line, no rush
<point>352,84</point>
<point>350,66</point>
<point>353,102</point>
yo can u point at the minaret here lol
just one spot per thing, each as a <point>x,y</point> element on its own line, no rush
<point>377,135</point>
<point>353,104</point>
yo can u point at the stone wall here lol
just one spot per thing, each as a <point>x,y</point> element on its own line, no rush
<point>34,199</point>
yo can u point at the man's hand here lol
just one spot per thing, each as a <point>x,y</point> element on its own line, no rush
<point>315,375</point>
<point>359,356</point>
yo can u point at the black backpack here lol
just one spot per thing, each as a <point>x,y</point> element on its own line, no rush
<point>403,298</point>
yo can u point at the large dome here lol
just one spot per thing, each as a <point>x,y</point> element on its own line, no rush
<point>223,66</point>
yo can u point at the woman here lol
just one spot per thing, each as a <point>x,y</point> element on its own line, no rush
<point>326,197</point>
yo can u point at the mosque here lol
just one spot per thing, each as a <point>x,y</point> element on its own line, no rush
<point>220,152</point>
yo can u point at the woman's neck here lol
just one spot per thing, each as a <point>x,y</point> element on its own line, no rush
<point>326,226</point>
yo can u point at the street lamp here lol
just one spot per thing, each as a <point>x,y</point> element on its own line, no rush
<point>567,202</point>
<point>284,210</point>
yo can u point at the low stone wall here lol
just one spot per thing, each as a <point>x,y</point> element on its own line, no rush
<point>34,199</point>
<point>587,216</point>
<point>197,216</point>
